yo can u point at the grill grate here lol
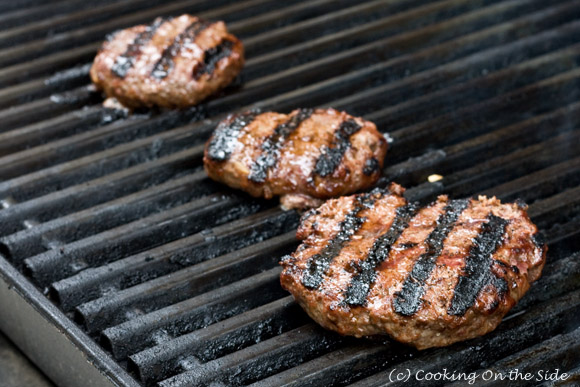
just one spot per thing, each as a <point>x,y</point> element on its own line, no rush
<point>176,277</point>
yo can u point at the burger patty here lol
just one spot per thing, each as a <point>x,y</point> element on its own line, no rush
<point>173,62</point>
<point>427,276</point>
<point>304,156</point>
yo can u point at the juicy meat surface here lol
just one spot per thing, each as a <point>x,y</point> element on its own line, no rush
<point>427,276</point>
<point>304,156</point>
<point>173,62</point>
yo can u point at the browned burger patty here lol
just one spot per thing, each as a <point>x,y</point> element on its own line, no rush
<point>303,156</point>
<point>374,264</point>
<point>174,62</point>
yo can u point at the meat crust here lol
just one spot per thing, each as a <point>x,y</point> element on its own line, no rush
<point>174,62</point>
<point>374,264</point>
<point>305,156</point>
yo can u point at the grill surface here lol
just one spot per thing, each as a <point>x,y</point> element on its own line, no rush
<point>176,277</point>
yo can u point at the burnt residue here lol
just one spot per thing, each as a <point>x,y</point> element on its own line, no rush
<point>358,289</point>
<point>69,75</point>
<point>319,263</point>
<point>331,157</point>
<point>521,204</point>
<point>371,166</point>
<point>500,284</point>
<point>308,214</point>
<point>272,145</point>
<point>478,265</point>
<point>286,258</point>
<point>166,63</point>
<point>125,61</point>
<point>408,300</point>
<point>539,240</point>
<point>211,57</point>
<point>225,137</point>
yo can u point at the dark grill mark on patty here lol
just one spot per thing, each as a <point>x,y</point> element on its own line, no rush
<point>272,145</point>
<point>360,286</point>
<point>539,240</point>
<point>165,64</point>
<point>408,300</point>
<point>331,157</point>
<point>226,135</point>
<point>371,166</point>
<point>211,57</point>
<point>125,61</point>
<point>500,284</point>
<point>478,266</point>
<point>319,263</point>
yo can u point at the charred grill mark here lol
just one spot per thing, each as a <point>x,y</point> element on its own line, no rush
<point>125,61</point>
<point>165,64</point>
<point>211,57</point>
<point>539,240</point>
<point>309,214</point>
<point>286,258</point>
<point>371,166</point>
<point>331,157</point>
<point>478,266</point>
<point>408,300</point>
<point>500,284</point>
<point>226,135</point>
<point>521,204</point>
<point>359,287</point>
<point>317,265</point>
<point>502,264</point>
<point>272,145</point>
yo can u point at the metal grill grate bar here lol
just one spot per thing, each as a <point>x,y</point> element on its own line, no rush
<point>100,190</point>
<point>191,281</point>
<point>214,341</point>
<point>188,315</point>
<point>137,236</point>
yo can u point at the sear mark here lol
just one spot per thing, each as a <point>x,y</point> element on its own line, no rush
<point>211,57</point>
<point>126,61</point>
<point>408,300</point>
<point>371,166</point>
<point>331,157</point>
<point>165,64</point>
<point>478,266</point>
<point>359,287</point>
<point>272,145</point>
<point>319,263</point>
<point>225,138</point>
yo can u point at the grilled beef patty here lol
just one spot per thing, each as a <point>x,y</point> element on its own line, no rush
<point>174,62</point>
<point>304,156</point>
<point>427,276</point>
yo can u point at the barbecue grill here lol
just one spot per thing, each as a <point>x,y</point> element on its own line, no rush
<point>121,263</point>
